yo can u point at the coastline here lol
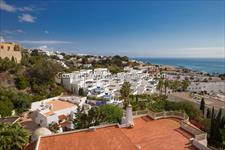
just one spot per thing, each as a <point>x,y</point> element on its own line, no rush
<point>213,66</point>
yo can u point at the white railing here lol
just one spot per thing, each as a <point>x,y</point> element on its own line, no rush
<point>140,113</point>
<point>168,114</point>
<point>199,134</point>
<point>200,145</point>
<point>200,137</point>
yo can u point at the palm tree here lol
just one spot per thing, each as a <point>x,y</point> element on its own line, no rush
<point>125,92</point>
<point>166,85</point>
<point>175,85</point>
<point>185,84</point>
<point>13,136</point>
<point>160,85</point>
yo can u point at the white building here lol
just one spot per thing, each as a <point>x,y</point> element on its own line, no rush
<point>57,109</point>
<point>209,87</point>
<point>101,83</point>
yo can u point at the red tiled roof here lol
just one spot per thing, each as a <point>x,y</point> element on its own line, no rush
<point>58,105</point>
<point>31,146</point>
<point>164,134</point>
<point>110,138</point>
<point>64,124</point>
<point>62,117</point>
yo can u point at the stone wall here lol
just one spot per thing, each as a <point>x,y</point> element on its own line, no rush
<point>10,50</point>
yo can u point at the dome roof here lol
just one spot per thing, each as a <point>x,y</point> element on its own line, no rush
<point>40,132</point>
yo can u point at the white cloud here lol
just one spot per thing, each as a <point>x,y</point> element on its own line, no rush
<point>202,52</point>
<point>7,32</point>
<point>19,31</point>
<point>2,39</point>
<point>46,31</point>
<point>6,7</point>
<point>27,18</point>
<point>189,52</point>
<point>25,9</point>
<point>203,48</point>
<point>10,8</point>
<point>44,47</point>
<point>11,32</point>
<point>44,42</point>
<point>30,9</point>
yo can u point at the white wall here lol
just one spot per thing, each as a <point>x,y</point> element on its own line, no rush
<point>37,105</point>
<point>66,83</point>
<point>41,119</point>
<point>45,120</point>
<point>207,86</point>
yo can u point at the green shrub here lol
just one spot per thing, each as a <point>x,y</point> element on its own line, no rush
<point>21,82</point>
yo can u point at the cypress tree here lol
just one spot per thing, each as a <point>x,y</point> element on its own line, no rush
<point>81,92</point>
<point>222,124</point>
<point>218,136</point>
<point>215,137</point>
<point>202,106</point>
<point>219,117</point>
<point>136,98</point>
<point>208,114</point>
<point>211,139</point>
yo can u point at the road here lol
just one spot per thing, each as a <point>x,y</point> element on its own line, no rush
<point>185,96</point>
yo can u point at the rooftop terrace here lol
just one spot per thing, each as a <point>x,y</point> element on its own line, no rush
<point>163,134</point>
<point>58,105</point>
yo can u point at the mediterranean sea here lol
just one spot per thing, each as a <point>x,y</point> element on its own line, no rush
<point>209,65</point>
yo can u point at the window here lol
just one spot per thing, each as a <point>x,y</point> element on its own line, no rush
<point>2,47</point>
<point>16,48</point>
<point>8,48</point>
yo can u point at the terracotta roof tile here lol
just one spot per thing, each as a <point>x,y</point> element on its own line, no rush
<point>109,138</point>
<point>58,105</point>
<point>164,134</point>
<point>62,117</point>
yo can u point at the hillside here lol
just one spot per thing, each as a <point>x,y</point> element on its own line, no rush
<point>35,77</point>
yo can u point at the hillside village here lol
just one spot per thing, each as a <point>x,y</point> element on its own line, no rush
<point>54,92</point>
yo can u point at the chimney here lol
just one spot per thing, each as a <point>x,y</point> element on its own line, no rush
<point>51,107</point>
<point>129,116</point>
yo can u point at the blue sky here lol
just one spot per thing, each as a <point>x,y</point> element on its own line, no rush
<point>133,28</point>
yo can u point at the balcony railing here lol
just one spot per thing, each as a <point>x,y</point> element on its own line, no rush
<point>200,137</point>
